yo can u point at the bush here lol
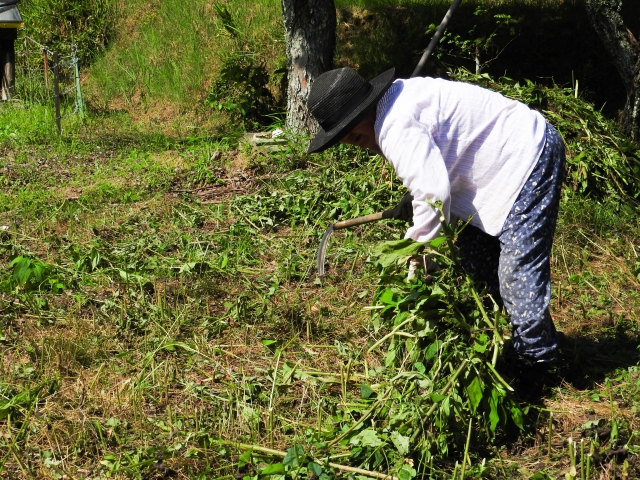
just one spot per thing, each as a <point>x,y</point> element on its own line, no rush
<point>59,24</point>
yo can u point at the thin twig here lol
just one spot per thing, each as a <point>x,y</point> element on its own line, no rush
<point>446,388</point>
<point>466,450</point>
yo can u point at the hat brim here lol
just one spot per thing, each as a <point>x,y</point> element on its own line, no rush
<point>326,139</point>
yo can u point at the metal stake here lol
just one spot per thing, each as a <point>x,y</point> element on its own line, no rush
<point>56,90</point>
<point>79,101</point>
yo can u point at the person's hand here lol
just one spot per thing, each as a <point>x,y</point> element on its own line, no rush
<point>403,210</point>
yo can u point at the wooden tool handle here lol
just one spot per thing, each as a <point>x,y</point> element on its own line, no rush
<point>353,222</point>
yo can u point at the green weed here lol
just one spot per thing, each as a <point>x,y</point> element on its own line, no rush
<point>601,161</point>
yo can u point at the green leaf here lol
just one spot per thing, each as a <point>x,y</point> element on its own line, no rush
<point>407,472</point>
<point>274,469</point>
<point>388,297</point>
<point>293,454</point>
<point>436,242</point>
<point>591,424</point>
<point>437,397</point>
<point>366,391</point>
<point>390,356</point>
<point>245,458</point>
<point>480,344</point>
<point>474,390</point>
<point>517,417</point>
<point>21,269</point>
<point>445,407</point>
<point>432,349</point>
<point>494,417</point>
<point>315,468</point>
<point>113,422</point>
<point>614,432</point>
<point>38,271</point>
<point>367,438</point>
<point>270,344</point>
<point>396,251</point>
<point>400,442</point>
<point>419,366</point>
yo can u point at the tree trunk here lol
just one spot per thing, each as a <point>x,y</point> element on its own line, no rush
<point>606,18</point>
<point>7,62</point>
<point>310,34</point>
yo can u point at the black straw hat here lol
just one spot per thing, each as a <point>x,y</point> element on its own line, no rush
<point>339,100</point>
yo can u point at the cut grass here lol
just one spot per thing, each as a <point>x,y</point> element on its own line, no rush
<point>191,315</point>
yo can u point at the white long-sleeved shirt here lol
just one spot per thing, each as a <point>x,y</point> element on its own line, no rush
<point>471,148</point>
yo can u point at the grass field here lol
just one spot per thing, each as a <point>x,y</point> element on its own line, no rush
<point>161,317</point>
<point>164,300</point>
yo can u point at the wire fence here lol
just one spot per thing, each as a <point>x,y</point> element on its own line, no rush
<point>42,76</point>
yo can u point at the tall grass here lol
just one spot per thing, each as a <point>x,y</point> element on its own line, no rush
<point>18,124</point>
<point>171,52</point>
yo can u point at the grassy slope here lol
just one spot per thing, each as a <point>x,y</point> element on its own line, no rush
<point>180,256</point>
<point>165,58</point>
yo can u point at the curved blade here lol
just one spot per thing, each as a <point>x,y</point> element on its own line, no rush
<point>322,250</point>
<point>352,222</point>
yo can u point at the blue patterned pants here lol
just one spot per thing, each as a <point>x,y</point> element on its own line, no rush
<point>515,266</point>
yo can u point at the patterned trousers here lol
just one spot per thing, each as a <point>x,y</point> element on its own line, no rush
<point>515,265</point>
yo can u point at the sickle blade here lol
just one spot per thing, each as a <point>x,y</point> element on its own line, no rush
<point>322,250</point>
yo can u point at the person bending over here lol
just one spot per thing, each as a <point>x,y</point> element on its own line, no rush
<point>485,157</point>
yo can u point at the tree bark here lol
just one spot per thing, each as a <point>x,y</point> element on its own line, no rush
<point>310,34</point>
<point>7,62</point>
<point>607,20</point>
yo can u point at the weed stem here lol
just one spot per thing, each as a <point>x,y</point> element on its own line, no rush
<point>279,453</point>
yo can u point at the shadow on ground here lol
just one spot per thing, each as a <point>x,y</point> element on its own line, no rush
<point>585,361</point>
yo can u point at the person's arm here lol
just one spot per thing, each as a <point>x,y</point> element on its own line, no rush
<point>409,147</point>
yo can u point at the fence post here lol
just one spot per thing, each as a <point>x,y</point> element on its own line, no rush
<point>46,67</point>
<point>56,90</point>
<point>79,101</point>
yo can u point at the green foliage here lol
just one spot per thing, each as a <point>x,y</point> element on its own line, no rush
<point>242,89</point>
<point>601,162</point>
<point>58,24</point>
<point>197,310</point>
<point>178,53</point>
<point>481,40</point>
<point>17,404</point>
<point>30,274</point>
<point>348,185</point>
<point>190,315</point>
<point>442,354</point>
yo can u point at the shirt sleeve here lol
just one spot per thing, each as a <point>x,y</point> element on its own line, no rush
<point>408,145</point>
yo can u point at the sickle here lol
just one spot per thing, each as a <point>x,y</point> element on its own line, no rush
<point>374,217</point>
<point>352,222</point>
